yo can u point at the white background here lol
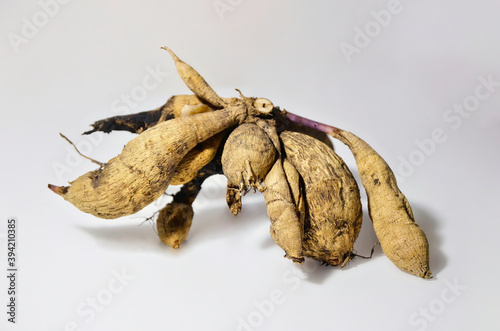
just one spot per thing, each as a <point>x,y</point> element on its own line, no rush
<point>395,91</point>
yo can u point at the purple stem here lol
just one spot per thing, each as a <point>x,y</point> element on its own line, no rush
<point>312,124</point>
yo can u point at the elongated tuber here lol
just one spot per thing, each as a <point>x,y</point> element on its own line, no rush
<point>142,172</point>
<point>402,240</point>
<point>312,199</point>
<point>286,227</point>
<point>332,197</point>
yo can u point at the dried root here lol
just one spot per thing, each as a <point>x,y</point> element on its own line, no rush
<point>402,240</point>
<point>174,220</point>
<point>296,185</point>
<point>195,82</point>
<point>137,123</point>
<point>286,227</point>
<point>173,223</point>
<point>334,213</point>
<point>143,170</point>
<point>196,159</point>
<point>247,157</point>
<point>311,196</point>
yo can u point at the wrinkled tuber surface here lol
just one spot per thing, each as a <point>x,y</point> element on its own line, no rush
<point>311,196</point>
<point>247,157</point>
<point>334,215</point>
<point>142,171</point>
<point>402,240</point>
<point>286,227</point>
<point>174,220</point>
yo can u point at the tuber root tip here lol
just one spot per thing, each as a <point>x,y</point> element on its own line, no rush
<point>298,260</point>
<point>60,190</point>
<point>172,54</point>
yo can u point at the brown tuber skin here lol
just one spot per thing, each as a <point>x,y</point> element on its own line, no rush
<point>402,240</point>
<point>195,82</point>
<point>174,220</point>
<point>137,123</point>
<point>286,227</point>
<point>332,198</point>
<point>296,185</point>
<point>311,196</point>
<point>177,106</point>
<point>173,223</point>
<point>246,159</point>
<point>195,159</point>
<point>143,170</point>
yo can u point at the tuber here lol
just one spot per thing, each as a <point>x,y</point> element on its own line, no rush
<point>311,196</point>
